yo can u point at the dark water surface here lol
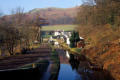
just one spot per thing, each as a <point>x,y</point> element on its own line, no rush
<point>67,71</point>
<point>77,67</point>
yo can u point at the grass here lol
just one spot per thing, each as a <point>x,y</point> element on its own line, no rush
<point>77,50</point>
<point>59,27</point>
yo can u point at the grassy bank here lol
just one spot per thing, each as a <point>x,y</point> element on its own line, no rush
<point>59,27</point>
<point>73,50</point>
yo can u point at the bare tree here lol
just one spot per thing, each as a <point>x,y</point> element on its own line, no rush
<point>38,23</point>
<point>10,34</point>
<point>19,29</point>
<point>12,39</point>
<point>8,37</point>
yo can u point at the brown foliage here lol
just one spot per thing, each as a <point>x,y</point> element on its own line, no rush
<point>100,13</point>
<point>99,24</point>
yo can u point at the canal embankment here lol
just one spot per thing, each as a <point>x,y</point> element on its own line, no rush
<point>78,51</point>
<point>97,68</point>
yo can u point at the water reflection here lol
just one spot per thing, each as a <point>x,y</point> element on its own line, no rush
<point>67,54</point>
<point>77,67</point>
<point>69,66</point>
<point>81,67</point>
<point>73,62</point>
<point>66,73</point>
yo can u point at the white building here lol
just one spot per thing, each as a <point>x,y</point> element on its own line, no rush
<point>57,33</point>
<point>63,35</point>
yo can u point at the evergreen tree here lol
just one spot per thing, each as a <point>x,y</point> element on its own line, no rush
<point>74,39</point>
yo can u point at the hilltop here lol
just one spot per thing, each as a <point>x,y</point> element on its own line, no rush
<point>56,15</point>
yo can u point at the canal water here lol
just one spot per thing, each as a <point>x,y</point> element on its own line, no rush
<point>46,75</point>
<point>67,73</point>
<point>77,67</point>
<point>69,67</point>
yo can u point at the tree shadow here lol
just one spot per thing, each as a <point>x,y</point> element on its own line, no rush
<point>86,73</point>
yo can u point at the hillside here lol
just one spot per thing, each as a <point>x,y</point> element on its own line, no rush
<point>56,15</point>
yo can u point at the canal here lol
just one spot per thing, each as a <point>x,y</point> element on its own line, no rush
<point>70,67</point>
<point>75,67</point>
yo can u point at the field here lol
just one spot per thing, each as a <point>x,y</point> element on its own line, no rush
<point>59,27</point>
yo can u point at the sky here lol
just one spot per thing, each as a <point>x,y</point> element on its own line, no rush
<point>7,5</point>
